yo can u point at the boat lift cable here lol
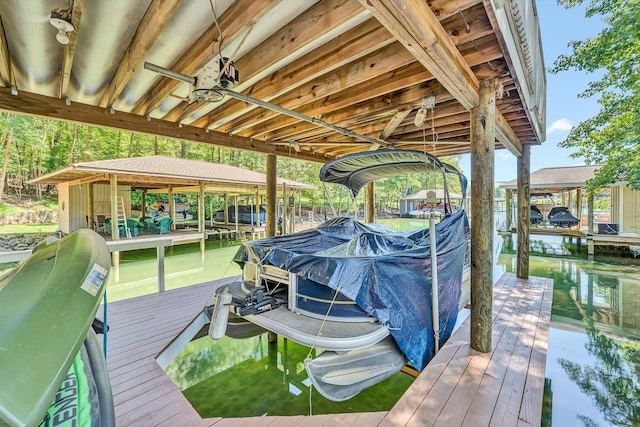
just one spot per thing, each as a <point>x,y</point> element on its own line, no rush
<point>313,345</point>
<point>435,297</point>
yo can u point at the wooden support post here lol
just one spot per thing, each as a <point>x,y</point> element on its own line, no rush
<point>284,208</point>
<point>570,204</point>
<point>201,207</point>
<point>591,214</point>
<point>509,214</point>
<point>272,198</point>
<point>370,206</point>
<point>482,172</point>
<point>160,251</point>
<point>113,187</point>
<point>524,212</point>
<point>90,206</point>
<point>292,213</point>
<point>201,218</point>
<point>143,204</point>
<point>171,213</point>
<point>579,206</point>
<point>225,212</point>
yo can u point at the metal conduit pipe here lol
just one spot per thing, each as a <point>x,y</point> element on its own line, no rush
<point>242,97</point>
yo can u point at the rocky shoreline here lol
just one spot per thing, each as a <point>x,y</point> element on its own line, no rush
<point>21,242</point>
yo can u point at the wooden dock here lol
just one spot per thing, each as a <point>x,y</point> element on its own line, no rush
<point>459,387</point>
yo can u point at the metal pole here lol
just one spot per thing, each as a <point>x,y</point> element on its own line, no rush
<point>242,97</point>
<point>435,303</point>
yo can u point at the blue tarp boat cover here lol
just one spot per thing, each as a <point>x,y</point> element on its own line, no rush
<point>387,273</point>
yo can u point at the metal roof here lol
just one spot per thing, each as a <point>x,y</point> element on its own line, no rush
<point>360,71</point>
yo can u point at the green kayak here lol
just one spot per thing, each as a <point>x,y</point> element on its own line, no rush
<point>47,305</point>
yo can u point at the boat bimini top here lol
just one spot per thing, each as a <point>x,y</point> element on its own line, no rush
<point>356,170</point>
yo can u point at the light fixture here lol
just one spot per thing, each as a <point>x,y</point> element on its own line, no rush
<point>428,102</point>
<point>61,19</point>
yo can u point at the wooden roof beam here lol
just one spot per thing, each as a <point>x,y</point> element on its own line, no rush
<point>379,62</point>
<point>506,136</point>
<point>6,75</point>
<point>410,97</point>
<point>378,86</point>
<point>70,49</point>
<point>303,30</point>
<point>53,108</point>
<point>234,23</point>
<point>90,179</point>
<point>333,55</point>
<point>357,42</point>
<point>414,25</point>
<point>153,23</point>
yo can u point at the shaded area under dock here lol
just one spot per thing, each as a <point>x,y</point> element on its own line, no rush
<point>460,386</point>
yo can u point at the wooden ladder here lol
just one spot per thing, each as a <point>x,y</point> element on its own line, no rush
<point>122,218</point>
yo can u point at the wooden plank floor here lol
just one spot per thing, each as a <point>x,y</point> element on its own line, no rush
<point>459,387</point>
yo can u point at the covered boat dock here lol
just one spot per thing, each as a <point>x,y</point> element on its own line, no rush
<point>460,386</point>
<point>319,79</point>
<point>618,228</point>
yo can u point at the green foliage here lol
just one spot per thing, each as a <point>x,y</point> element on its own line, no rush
<point>40,228</point>
<point>39,146</point>
<point>7,209</point>
<point>45,205</point>
<point>611,137</point>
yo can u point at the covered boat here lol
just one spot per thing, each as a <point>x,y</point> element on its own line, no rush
<point>361,292</point>
<point>51,365</point>
<point>561,217</point>
<point>535,216</point>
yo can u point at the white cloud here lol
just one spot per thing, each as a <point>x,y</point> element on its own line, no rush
<point>560,125</point>
<point>504,154</point>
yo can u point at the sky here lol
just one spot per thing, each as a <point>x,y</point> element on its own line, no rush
<point>558,27</point>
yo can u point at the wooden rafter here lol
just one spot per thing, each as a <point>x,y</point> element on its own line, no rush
<point>416,27</point>
<point>302,31</point>
<point>6,76</point>
<point>382,61</point>
<point>158,15</point>
<point>43,106</point>
<point>70,48</point>
<point>370,87</point>
<point>360,41</point>
<point>413,23</point>
<point>234,22</point>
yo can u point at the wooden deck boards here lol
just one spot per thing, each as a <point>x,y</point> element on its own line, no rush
<point>460,387</point>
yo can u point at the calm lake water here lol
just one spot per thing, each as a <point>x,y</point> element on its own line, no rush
<point>593,359</point>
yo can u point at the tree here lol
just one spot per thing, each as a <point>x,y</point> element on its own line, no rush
<point>611,137</point>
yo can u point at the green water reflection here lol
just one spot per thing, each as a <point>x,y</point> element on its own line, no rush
<point>184,266</point>
<point>593,358</point>
<point>253,377</point>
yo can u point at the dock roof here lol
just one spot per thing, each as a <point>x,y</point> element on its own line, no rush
<point>155,172</point>
<point>557,179</point>
<point>364,67</point>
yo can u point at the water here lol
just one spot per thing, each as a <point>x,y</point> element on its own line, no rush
<point>593,358</point>
<point>253,377</point>
<point>183,266</point>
